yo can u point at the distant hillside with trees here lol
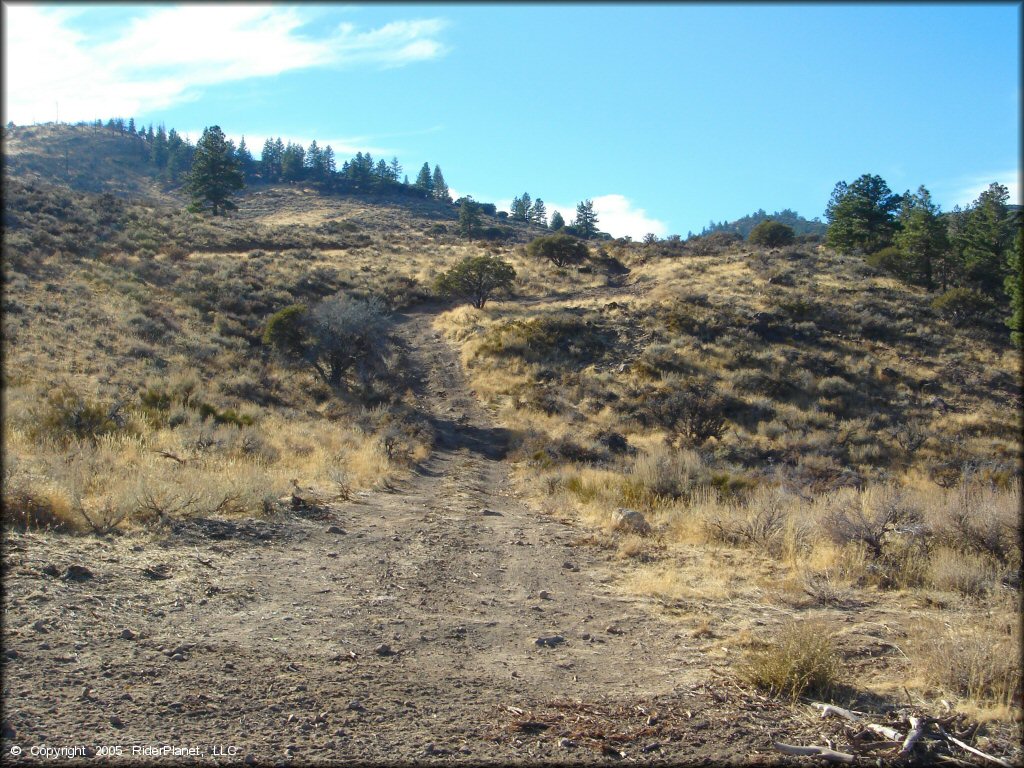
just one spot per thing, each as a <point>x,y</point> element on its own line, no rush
<point>745,225</point>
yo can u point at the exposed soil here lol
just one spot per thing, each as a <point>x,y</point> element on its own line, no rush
<point>442,620</point>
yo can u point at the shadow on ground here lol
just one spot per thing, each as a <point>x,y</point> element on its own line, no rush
<point>488,442</point>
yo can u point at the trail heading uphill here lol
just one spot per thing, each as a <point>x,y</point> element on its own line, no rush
<point>440,620</point>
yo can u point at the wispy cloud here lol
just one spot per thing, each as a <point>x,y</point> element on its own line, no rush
<point>965,191</point>
<point>170,53</point>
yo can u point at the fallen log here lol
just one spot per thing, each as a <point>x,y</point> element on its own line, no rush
<point>882,730</point>
<point>916,730</point>
<point>814,751</point>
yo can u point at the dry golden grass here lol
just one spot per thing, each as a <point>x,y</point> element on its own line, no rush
<point>800,658</point>
<point>844,395</point>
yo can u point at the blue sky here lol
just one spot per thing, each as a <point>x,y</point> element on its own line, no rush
<point>666,115</point>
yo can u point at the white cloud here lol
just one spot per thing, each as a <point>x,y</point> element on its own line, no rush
<point>616,215</point>
<point>967,190</point>
<point>170,53</point>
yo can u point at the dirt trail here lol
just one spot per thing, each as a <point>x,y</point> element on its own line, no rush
<point>265,639</point>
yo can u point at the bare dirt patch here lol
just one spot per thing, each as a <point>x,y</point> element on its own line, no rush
<point>441,619</point>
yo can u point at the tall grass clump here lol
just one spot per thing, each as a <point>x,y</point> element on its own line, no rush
<point>799,659</point>
<point>663,475</point>
<point>980,664</point>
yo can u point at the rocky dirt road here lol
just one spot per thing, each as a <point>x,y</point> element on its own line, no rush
<point>440,621</point>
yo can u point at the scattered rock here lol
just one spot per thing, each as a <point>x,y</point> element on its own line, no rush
<point>356,706</point>
<point>651,747</point>
<point>77,573</point>
<point>157,572</point>
<point>565,743</point>
<point>490,512</point>
<point>250,760</point>
<point>614,630</point>
<point>116,721</point>
<point>383,650</point>
<point>7,731</point>
<point>544,595</point>
<point>551,641</point>
<point>336,529</point>
<point>569,565</point>
<point>127,634</point>
<point>51,570</point>
<point>178,657</point>
<point>10,653</point>
<point>585,636</point>
<point>630,521</point>
<point>39,625</point>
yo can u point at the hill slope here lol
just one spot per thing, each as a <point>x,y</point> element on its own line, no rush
<point>792,414</point>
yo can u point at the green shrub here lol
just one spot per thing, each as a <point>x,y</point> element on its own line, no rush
<point>476,279</point>
<point>962,305</point>
<point>285,331</point>
<point>560,249</point>
<point>890,259</point>
<point>67,415</point>
<point>694,411</point>
<point>227,416</point>
<point>772,234</point>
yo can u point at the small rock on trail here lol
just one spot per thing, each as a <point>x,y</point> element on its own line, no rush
<point>77,573</point>
<point>549,641</point>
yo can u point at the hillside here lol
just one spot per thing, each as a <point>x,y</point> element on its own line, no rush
<point>745,224</point>
<point>813,424</point>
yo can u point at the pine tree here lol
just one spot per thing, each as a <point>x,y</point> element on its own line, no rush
<point>539,213</point>
<point>586,220</point>
<point>987,235</point>
<point>293,162</point>
<point>861,215</point>
<point>469,217</point>
<point>424,181</point>
<point>215,174</point>
<point>922,237</point>
<point>158,149</point>
<point>521,208</point>
<point>557,221</point>
<point>440,188</point>
<point>245,159</point>
<point>314,162</point>
<point>396,170</point>
<point>270,160</point>
<point>178,156</point>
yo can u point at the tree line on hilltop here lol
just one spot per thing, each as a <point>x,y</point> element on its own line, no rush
<point>174,158</point>
<point>970,258</point>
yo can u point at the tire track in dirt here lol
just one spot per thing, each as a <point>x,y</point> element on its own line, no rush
<point>403,628</point>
